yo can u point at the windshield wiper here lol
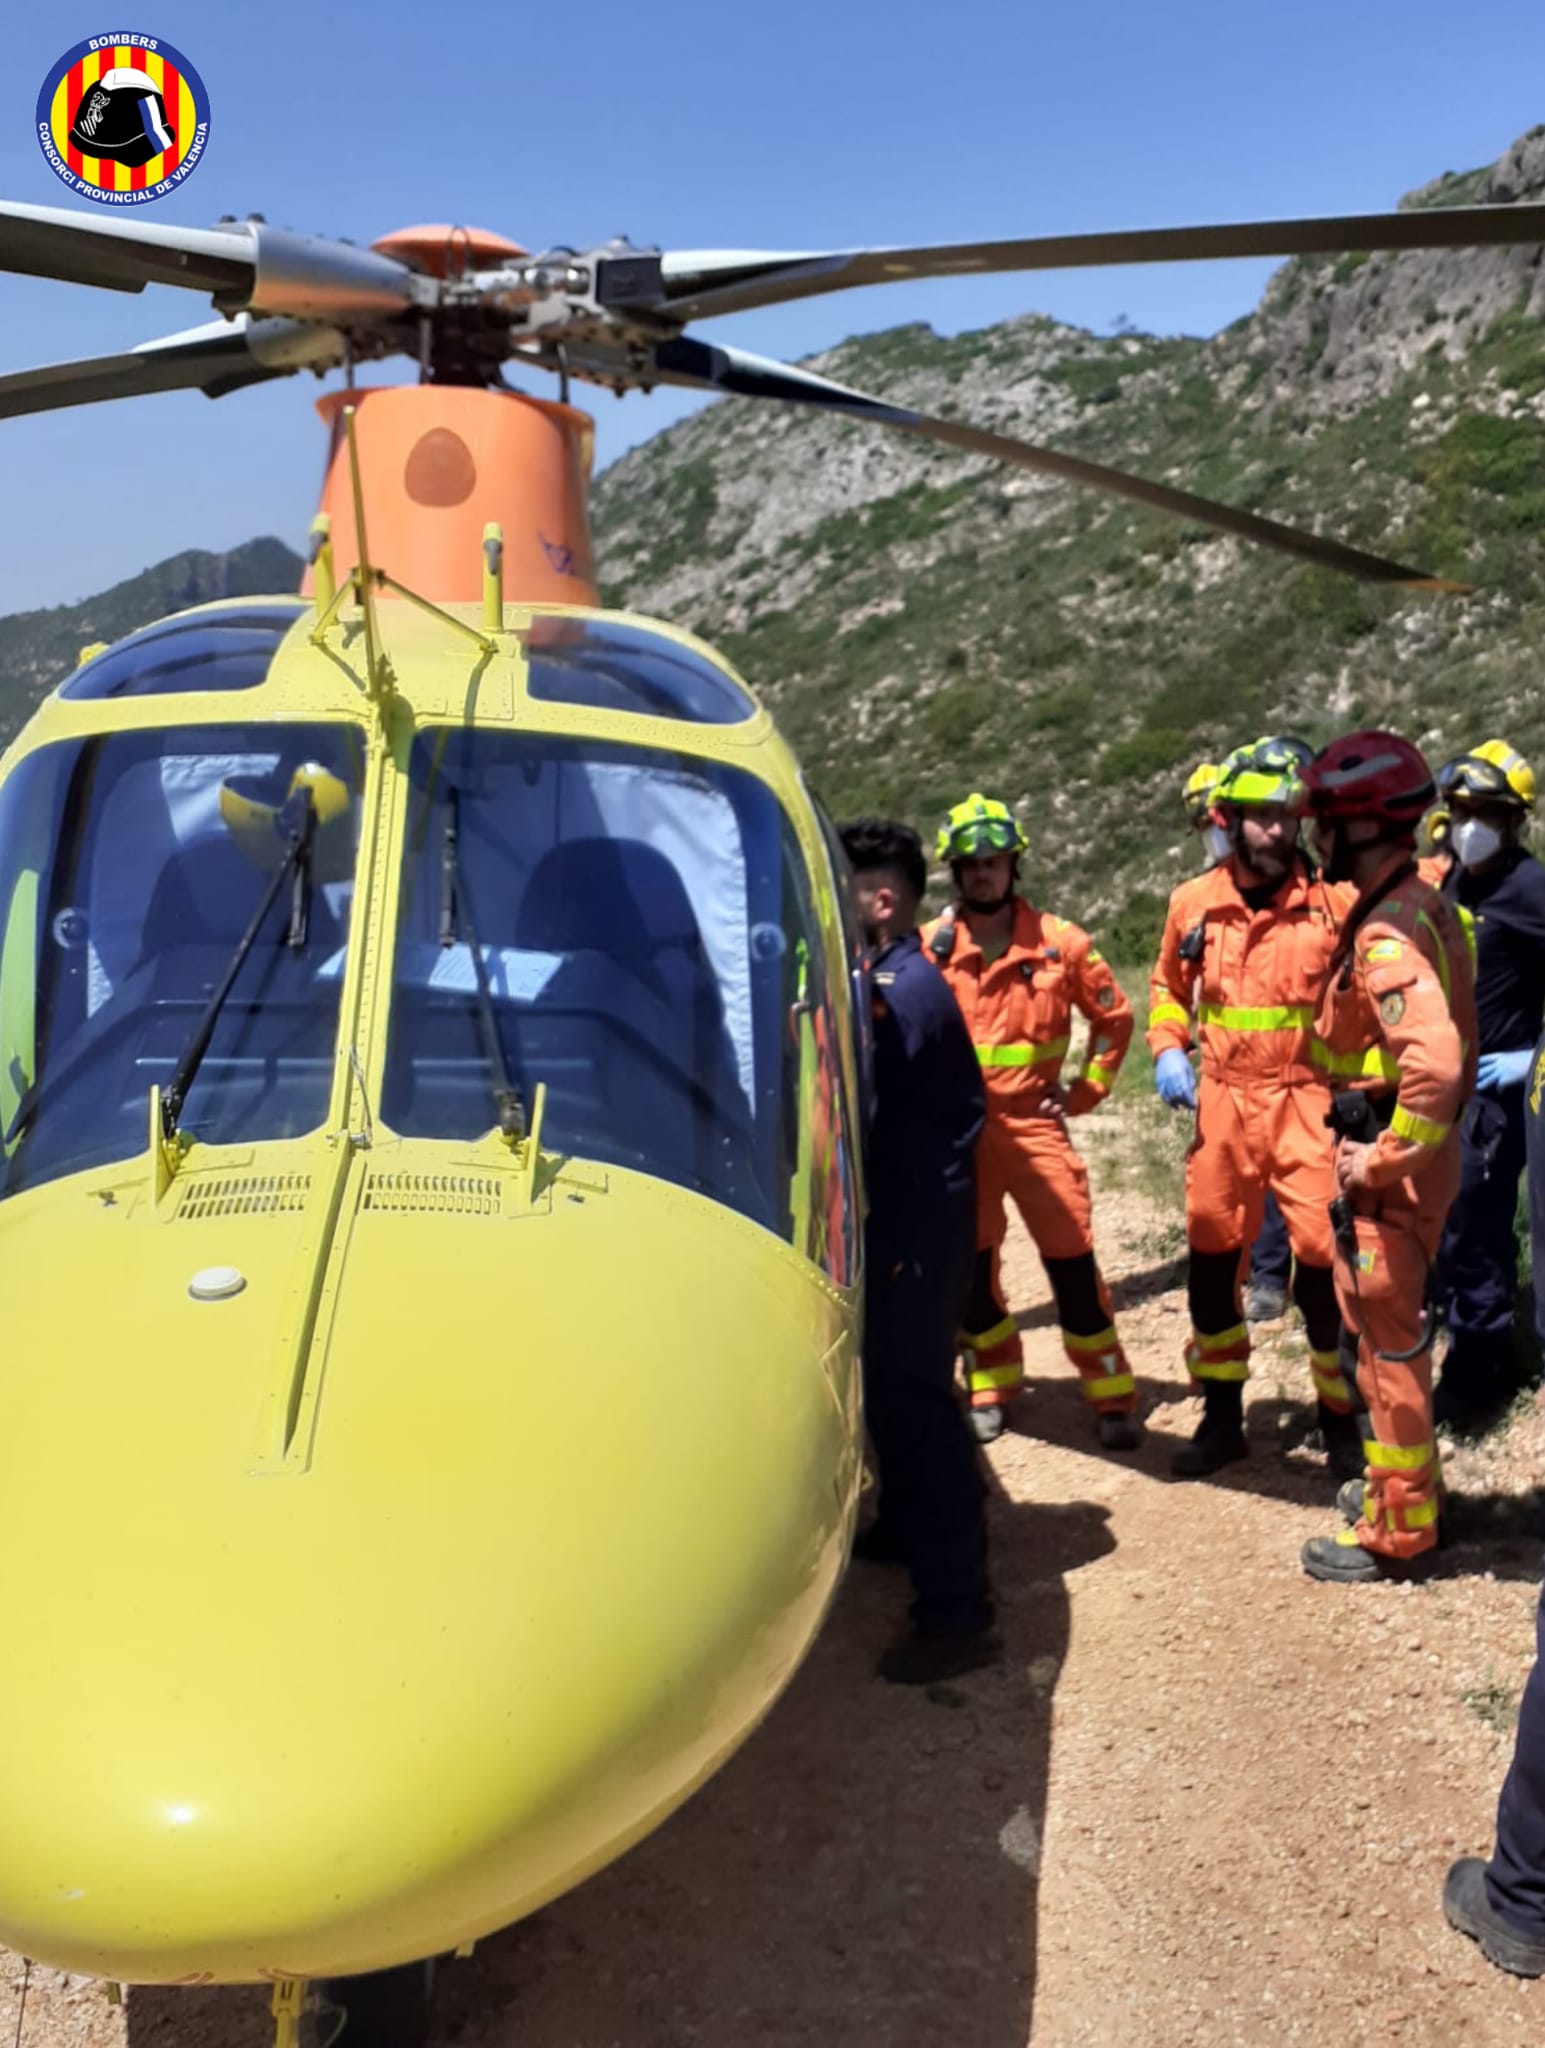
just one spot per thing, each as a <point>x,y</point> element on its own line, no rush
<point>456,911</point>
<point>297,822</point>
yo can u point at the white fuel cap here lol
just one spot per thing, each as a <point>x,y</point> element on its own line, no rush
<point>217,1283</point>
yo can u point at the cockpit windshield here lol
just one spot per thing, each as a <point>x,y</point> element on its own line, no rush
<point>131,866</point>
<point>650,954</point>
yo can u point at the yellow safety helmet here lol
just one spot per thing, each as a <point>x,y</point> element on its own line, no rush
<point>1516,785</point>
<point>1520,775</point>
<point>1196,791</point>
<point>1268,771</point>
<point>979,825</point>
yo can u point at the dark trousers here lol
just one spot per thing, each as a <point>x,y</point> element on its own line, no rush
<point>1270,1255</point>
<point>1515,1876</point>
<point>1534,1150</point>
<point>931,1487</point>
<point>1478,1257</point>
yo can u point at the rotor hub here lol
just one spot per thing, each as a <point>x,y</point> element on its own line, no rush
<point>441,250</point>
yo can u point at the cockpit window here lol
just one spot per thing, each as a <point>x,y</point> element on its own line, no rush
<point>623,668</point>
<point>229,650</point>
<point>647,951</point>
<point>131,866</point>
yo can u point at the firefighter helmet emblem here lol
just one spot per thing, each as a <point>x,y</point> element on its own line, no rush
<point>122,119</point>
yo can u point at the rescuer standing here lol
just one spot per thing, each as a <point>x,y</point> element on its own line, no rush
<point>919,1248</point>
<point>1018,974</point>
<point>1501,1903</point>
<point>1271,1255</point>
<point>1246,945</point>
<point>1396,1026</point>
<point>1501,888</point>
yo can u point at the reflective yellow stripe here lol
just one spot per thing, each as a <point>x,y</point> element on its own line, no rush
<point>1333,1385</point>
<point>1372,1063</point>
<point>985,1340</point>
<point>1224,1340</point>
<point>982,1378</point>
<point>1102,1340</point>
<point>1098,1077</point>
<point>1405,1123</point>
<point>1168,1013</point>
<point>1289,1016</point>
<point>1021,1055</point>
<point>1397,1457</point>
<point>1420,1515</point>
<point>1204,1368</point>
<point>1111,1389</point>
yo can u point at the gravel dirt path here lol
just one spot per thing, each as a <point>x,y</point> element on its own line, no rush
<point>1203,1801</point>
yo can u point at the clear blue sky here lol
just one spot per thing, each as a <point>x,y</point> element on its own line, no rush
<point>698,123</point>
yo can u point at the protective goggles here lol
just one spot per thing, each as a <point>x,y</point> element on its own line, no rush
<point>983,835</point>
<point>1470,775</point>
<point>1270,772</point>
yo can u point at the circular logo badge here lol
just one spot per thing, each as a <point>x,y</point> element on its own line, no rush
<point>123,118</point>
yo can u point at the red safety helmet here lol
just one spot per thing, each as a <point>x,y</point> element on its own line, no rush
<point>1369,775</point>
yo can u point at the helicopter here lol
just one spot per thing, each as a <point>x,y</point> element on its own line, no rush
<point>428,1019</point>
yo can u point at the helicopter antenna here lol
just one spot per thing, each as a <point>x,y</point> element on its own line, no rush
<point>364,574</point>
<point>322,564</point>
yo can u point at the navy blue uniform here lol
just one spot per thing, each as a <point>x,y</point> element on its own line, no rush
<point>1271,1256</point>
<point>1515,1876</point>
<point>919,1247</point>
<point>1477,1261</point>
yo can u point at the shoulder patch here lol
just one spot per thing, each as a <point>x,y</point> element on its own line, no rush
<point>1096,957</point>
<point>1384,949</point>
<point>1393,1007</point>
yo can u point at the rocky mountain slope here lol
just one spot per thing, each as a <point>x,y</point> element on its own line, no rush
<point>924,623</point>
<point>38,649</point>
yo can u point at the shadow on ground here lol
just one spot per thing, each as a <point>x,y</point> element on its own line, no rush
<point>1499,1533</point>
<point>866,1867</point>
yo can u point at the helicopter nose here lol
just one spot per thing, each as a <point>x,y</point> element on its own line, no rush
<point>574,1500</point>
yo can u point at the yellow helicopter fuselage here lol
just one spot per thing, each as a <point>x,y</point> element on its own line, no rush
<point>396,1526</point>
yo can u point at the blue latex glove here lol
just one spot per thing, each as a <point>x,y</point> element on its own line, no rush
<point>1503,1069</point>
<point>1175,1081</point>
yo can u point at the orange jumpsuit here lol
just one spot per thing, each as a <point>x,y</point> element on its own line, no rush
<point>1397,1020</point>
<point>1019,1012</point>
<point>1251,976</point>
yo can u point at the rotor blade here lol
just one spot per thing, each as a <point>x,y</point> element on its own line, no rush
<point>215,359</point>
<point>251,267</point>
<point>122,255</point>
<point>698,283</point>
<point>685,361</point>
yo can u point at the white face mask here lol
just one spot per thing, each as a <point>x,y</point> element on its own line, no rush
<point>1475,842</point>
<point>1215,844</point>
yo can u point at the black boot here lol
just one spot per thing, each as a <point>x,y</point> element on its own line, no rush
<point>1220,1439</point>
<point>942,1644</point>
<point>1342,1436</point>
<point>1469,1908</point>
<point>1472,1391</point>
